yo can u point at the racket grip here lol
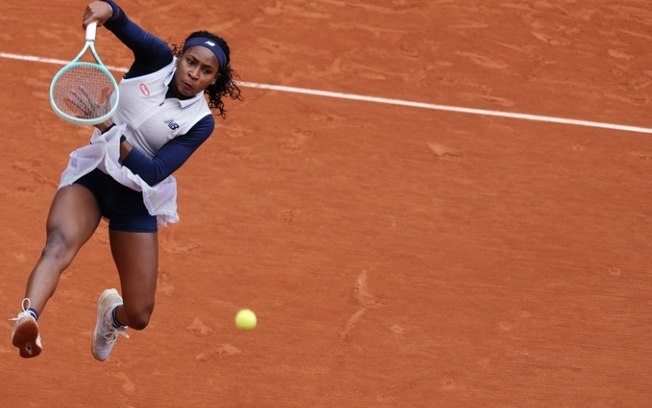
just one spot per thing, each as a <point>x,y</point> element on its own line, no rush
<point>91,28</point>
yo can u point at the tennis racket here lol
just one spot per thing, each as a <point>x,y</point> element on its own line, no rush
<point>84,93</point>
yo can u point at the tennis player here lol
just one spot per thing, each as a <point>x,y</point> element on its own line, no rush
<point>125,175</point>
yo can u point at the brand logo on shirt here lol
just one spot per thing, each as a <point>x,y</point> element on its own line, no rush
<point>144,89</point>
<point>172,124</point>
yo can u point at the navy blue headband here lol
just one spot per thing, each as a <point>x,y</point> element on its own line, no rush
<point>211,45</point>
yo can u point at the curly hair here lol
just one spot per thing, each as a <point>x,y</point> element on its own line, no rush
<point>225,84</point>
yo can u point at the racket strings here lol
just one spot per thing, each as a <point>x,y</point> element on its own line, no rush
<point>84,92</point>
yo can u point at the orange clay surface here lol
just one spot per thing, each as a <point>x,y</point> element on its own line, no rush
<point>396,257</point>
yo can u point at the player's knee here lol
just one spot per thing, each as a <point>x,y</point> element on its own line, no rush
<point>57,246</point>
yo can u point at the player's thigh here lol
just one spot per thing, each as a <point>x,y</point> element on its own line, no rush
<point>136,256</point>
<point>74,215</point>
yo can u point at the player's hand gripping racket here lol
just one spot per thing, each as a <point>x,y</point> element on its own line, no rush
<point>84,93</point>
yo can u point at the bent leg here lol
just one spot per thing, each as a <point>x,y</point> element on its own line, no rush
<point>74,216</point>
<point>136,257</point>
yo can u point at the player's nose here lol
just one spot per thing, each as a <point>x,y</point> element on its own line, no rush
<point>194,73</point>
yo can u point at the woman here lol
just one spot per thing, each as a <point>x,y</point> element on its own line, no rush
<point>124,175</point>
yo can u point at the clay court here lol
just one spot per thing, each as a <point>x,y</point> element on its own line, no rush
<point>396,256</point>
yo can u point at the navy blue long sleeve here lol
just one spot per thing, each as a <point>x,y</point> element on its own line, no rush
<point>171,156</point>
<point>150,52</point>
<point>150,55</point>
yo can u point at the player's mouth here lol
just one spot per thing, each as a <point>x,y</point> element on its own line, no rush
<point>187,88</point>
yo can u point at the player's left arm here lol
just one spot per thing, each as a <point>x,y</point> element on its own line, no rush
<point>170,157</point>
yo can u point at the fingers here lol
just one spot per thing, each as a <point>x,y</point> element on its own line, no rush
<point>72,107</point>
<point>97,11</point>
<point>105,93</point>
<point>88,16</point>
<point>83,104</point>
<point>76,106</point>
<point>80,100</point>
<point>88,97</point>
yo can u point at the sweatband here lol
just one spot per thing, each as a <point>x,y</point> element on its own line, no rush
<point>211,45</point>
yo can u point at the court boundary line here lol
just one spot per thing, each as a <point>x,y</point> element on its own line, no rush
<point>385,101</point>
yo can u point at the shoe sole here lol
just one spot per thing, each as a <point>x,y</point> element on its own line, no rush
<point>98,322</point>
<point>25,339</point>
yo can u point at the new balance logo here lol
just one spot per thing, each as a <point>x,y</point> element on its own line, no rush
<point>172,124</point>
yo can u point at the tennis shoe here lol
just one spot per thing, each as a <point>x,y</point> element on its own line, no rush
<point>106,334</point>
<point>25,334</point>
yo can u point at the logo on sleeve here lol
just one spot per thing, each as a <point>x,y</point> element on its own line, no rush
<point>172,124</point>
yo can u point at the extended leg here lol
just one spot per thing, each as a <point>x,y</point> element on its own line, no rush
<point>74,215</point>
<point>136,257</point>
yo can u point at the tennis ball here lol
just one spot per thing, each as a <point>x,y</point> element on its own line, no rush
<point>245,319</point>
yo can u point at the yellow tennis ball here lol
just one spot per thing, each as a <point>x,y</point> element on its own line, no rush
<point>245,319</point>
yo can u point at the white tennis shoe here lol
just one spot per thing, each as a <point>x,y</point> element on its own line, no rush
<point>105,334</point>
<point>25,334</point>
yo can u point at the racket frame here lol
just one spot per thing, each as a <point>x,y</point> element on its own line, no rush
<point>89,44</point>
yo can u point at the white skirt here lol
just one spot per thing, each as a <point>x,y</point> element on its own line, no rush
<point>103,154</point>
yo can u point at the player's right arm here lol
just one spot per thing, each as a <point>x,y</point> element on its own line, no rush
<point>150,52</point>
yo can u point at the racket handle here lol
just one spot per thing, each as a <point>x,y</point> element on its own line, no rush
<point>90,31</point>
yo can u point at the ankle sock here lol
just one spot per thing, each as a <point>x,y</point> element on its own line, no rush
<point>116,323</point>
<point>33,313</point>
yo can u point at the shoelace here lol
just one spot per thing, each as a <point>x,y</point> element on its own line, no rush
<point>25,309</point>
<point>112,334</point>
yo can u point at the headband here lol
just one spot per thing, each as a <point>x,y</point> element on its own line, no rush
<point>211,45</point>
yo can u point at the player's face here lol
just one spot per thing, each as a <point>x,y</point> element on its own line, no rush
<point>197,68</point>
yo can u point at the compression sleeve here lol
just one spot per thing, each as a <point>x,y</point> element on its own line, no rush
<point>150,52</point>
<point>171,156</point>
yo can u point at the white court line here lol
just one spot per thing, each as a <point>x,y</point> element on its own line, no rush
<point>386,101</point>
